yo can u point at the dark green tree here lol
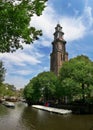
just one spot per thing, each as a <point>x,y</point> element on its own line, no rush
<point>47,81</point>
<point>67,89</point>
<point>40,88</point>
<point>32,92</point>
<point>7,90</point>
<point>76,78</point>
<point>15,25</point>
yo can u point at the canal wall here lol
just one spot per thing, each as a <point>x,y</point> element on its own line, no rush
<point>76,108</point>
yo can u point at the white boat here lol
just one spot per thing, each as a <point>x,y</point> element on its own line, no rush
<point>8,104</point>
<point>51,109</point>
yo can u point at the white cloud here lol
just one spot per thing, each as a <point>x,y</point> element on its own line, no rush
<point>18,81</point>
<point>45,42</point>
<point>19,58</point>
<point>28,58</point>
<point>73,28</point>
<point>46,22</point>
<point>87,17</point>
<point>23,72</point>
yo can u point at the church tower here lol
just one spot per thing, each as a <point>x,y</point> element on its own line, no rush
<point>59,54</point>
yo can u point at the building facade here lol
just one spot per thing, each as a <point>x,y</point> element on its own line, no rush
<point>59,54</point>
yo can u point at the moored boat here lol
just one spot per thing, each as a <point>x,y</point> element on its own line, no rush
<point>53,110</point>
<point>8,104</point>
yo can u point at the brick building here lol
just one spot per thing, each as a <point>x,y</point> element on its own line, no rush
<point>59,54</point>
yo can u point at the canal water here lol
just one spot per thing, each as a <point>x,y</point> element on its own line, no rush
<point>23,117</point>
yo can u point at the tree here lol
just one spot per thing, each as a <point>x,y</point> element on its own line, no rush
<point>2,90</point>
<point>76,77</point>
<point>2,72</point>
<point>41,87</point>
<point>32,92</point>
<point>47,83</point>
<point>7,90</point>
<point>67,89</point>
<point>10,90</point>
<point>15,25</point>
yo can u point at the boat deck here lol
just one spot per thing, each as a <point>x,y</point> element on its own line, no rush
<point>51,109</point>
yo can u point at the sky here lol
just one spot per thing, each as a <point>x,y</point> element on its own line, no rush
<point>76,18</point>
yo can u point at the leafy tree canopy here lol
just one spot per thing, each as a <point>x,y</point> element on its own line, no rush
<point>76,76</point>
<point>7,90</point>
<point>15,28</point>
<point>43,86</point>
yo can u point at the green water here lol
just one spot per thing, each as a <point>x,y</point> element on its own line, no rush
<point>27,118</point>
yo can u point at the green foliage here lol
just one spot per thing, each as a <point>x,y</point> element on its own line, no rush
<point>6,90</point>
<point>47,81</point>
<point>76,77</point>
<point>41,87</point>
<point>31,92</point>
<point>2,90</point>
<point>2,72</point>
<point>68,87</point>
<point>15,25</point>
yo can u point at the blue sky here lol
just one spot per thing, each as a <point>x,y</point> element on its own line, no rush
<point>76,18</point>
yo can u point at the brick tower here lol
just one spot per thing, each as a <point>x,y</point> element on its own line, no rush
<point>59,54</point>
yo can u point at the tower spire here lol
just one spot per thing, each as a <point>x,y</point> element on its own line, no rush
<point>58,33</point>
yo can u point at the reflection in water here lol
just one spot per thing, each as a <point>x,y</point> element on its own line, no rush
<point>41,120</point>
<point>10,120</point>
<point>3,111</point>
<point>27,118</point>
